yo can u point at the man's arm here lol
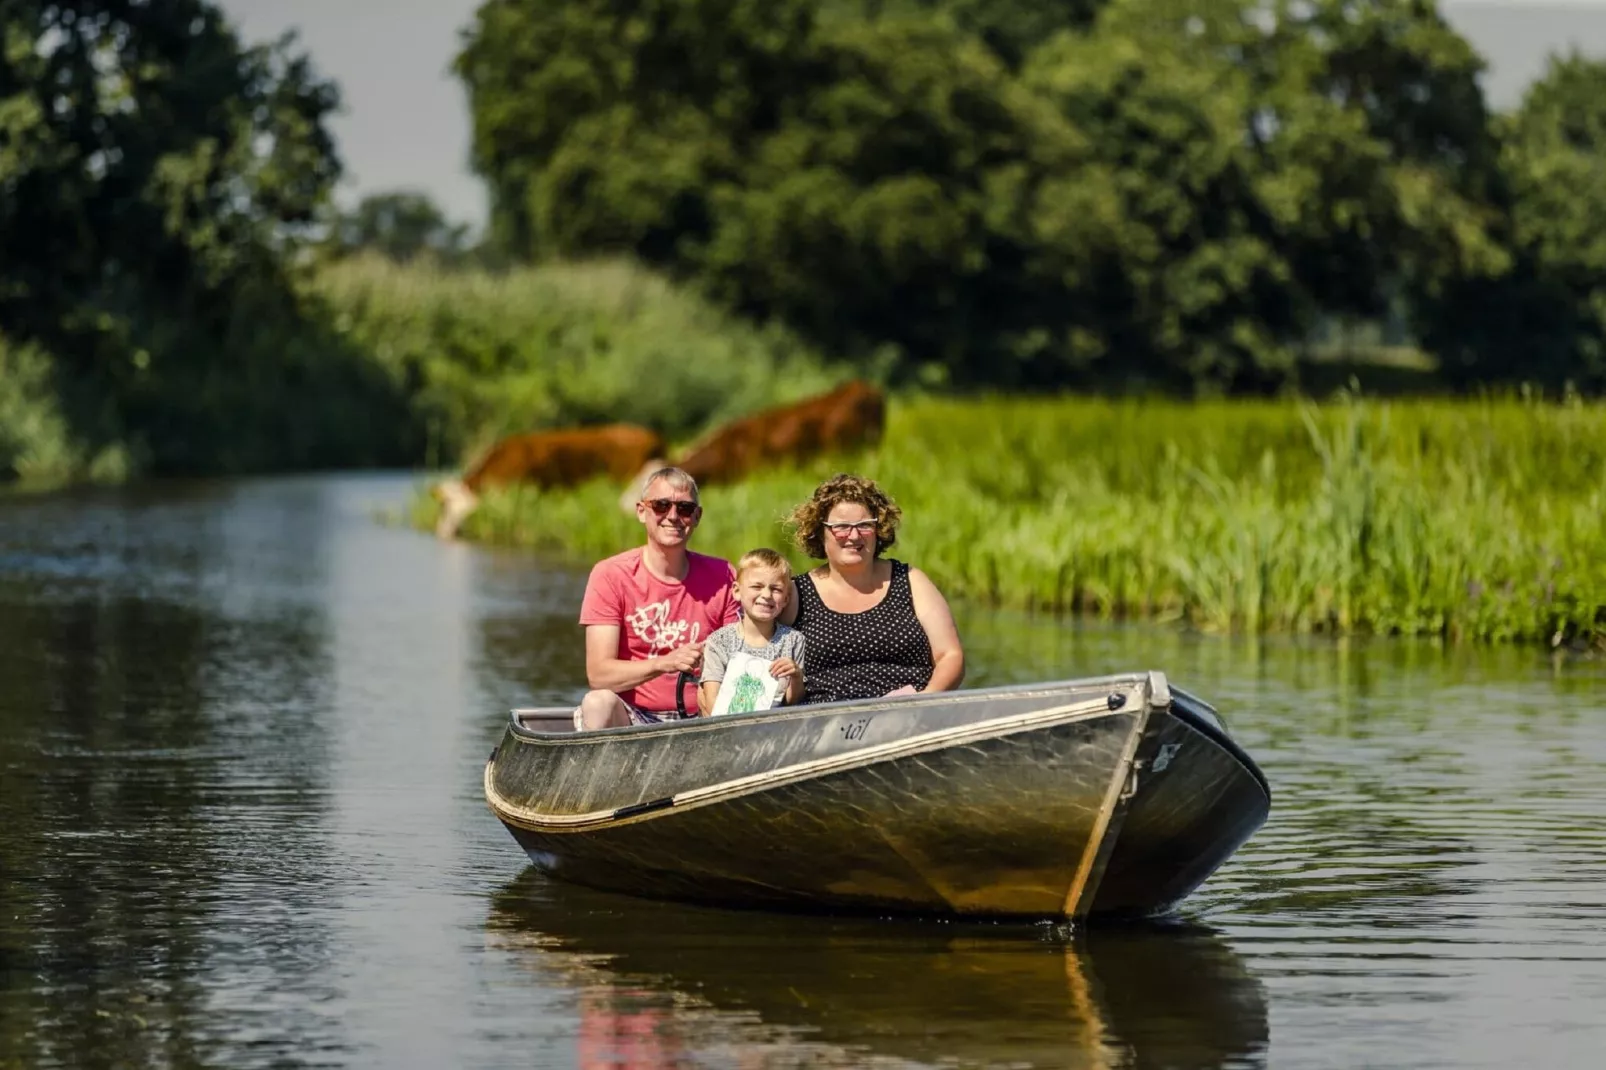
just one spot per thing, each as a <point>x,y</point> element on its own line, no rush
<point>607,671</point>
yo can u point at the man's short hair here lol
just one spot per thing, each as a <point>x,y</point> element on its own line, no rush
<point>677,478</point>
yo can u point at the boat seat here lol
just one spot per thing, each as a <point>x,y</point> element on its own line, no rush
<point>546,720</point>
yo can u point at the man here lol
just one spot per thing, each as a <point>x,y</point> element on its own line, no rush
<point>647,611</point>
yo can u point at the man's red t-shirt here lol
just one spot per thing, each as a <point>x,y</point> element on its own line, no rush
<point>655,617</point>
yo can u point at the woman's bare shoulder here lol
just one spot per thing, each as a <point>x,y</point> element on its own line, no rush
<point>921,584</point>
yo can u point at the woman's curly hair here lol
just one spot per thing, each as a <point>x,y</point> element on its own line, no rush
<point>809,518</point>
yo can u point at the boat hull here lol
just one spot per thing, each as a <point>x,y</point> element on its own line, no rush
<point>1010,802</point>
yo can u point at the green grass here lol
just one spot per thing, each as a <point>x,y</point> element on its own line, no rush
<point>1462,519</point>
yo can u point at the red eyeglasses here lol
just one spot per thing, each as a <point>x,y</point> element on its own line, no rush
<point>684,510</point>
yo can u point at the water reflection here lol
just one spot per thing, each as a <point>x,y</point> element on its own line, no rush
<point>163,768</point>
<point>241,824</point>
<point>657,985</point>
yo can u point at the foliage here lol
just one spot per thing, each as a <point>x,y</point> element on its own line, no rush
<point>37,448</point>
<point>1274,165</point>
<point>1011,193</point>
<point>1464,520</point>
<point>483,355</point>
<point>1119,195</point>
<point>156,175</point>
<point>399,225</point>
<point>1010,28</point>
<point>1545,321</point>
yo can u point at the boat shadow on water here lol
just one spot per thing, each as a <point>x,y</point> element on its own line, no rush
<point>660,984</point>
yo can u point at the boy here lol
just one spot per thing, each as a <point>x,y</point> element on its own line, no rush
<point>763,585</point>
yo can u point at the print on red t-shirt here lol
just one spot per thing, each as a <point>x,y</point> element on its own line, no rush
<point>655,617</point>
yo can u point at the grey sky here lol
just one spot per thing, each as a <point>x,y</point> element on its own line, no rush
<point>405,117</point>
<point>405,123</point>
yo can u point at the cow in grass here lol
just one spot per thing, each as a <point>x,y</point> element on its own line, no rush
<point>548,459</point>
<point>851,416</point>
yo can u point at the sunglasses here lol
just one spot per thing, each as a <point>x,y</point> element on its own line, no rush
<point>842,528</point>
<point>684,510</point>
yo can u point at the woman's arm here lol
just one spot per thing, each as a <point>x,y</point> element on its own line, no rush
<point>789,614</point>
<point>947,655</point>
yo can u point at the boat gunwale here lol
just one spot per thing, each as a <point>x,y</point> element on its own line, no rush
<point>891,750</point>
<point>1158,685</point>
<point>1132,680</point>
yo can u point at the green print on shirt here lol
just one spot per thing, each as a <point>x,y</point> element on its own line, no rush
<point>745,698</point>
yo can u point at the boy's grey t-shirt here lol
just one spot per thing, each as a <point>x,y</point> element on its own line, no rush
<point>717,651</point>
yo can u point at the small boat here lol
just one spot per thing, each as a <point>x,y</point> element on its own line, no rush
<point>1114,795</point>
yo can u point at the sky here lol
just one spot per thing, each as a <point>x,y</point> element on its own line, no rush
<point>405,123</point>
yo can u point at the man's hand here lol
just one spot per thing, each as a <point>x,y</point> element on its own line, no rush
<point>682,658</point>
<point>783,668</point>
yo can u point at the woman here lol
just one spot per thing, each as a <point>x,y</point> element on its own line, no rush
<point>873,626</point>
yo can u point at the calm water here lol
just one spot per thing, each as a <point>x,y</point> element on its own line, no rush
<point>241,734</point>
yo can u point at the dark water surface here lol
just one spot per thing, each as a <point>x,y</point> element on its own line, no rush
<point>241,825</point>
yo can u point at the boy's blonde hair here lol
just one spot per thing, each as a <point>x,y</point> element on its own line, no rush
<point>763,557</point>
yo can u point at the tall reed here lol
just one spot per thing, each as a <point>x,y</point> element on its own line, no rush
<point>1472,519</point>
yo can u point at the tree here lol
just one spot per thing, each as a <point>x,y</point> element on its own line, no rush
<point>1010,28</point>
<point>667,95</point>
<point>1006,192</point>
<point>399,225</point>
<point>154,175</point>
<point>149,156</point>
<point>1544,322</point>
<point>876,215</point>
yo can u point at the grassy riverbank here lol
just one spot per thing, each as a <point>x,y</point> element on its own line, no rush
<point>1467,520</point>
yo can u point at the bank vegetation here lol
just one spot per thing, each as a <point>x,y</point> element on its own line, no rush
<point>1465,520</point>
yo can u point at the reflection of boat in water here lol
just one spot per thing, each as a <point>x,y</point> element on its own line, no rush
<point>1115,795</point>
<point>796,990</point>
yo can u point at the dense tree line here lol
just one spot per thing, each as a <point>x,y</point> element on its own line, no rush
<point>156,180</point>
<point>1059,192</point>
<point>1171,194</point>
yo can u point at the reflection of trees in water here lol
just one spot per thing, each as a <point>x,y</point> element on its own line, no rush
<point>531,649</point>
<point>764,990</point>
<point>160,752</point>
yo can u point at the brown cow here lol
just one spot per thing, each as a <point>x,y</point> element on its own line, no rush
<point>548,459</point>
<point>854,414</point>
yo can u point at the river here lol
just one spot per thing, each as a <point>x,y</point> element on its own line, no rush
<point>242,727</point>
